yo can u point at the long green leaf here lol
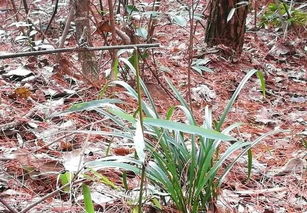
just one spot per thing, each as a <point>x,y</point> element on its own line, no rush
<point>89,207</point>
<point>249,163</point>
<point>229,167</point>
<point>169,113</point>
<point>122,162</point>
<point>148,110</point>
<point>90,105</point>
<point>151,109</point>
<point>115,68</point>
<point>123,115</point>
<point>113,118</point>
<point>191,129</point>
<point>262,82</point>
<point>236,146</point>
<point>233,98</point>
<point>177,94</point>
<point>188,114</point>
<point>120,134</point>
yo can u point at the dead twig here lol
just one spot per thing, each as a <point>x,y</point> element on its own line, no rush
<point>77,49</point>
<point>53,14</point>
<point>112,23</point>
<point>261,191</point>
<point>66,28</point>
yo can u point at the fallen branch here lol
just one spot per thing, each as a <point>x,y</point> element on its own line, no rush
<point>261,191</point>
<point>76,49</point>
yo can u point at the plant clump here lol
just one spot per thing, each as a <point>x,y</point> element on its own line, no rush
<point>277,14</point>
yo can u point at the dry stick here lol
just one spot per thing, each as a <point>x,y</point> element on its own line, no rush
<point>53,142</point>
<point>101,6</point>
<point>152,22</point>
<point>80,168</point>
<point>25,5</point>
<point>190,49</point>
<point>8,206</point>
<point>53,14</point>
<point>255,13</point>
<point>10,125</point>
<point>261,191</point>
<point>112,23</point>
<point>15,123</point>
<point>104,37</point>
<point>96,22</point>
<point>289,16</point>
<point>48,196</point>
<point>120,33</point>
<point>76,49</point>
<point>191,44</point>
<point>66,28</point>
<point>126,39</point>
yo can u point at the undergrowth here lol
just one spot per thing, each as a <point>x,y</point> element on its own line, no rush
<point>277,14</point>
<point>181,161</point>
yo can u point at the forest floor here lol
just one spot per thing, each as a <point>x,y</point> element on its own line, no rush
<point>34,146</point>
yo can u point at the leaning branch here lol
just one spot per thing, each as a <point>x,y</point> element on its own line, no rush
<point>76,49</point>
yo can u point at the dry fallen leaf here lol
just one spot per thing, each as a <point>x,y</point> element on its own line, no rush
<point>104,27</point>
<point>122,151</point>
<point>22,92</point>
<point>294,165</point>
<point>65,146</point>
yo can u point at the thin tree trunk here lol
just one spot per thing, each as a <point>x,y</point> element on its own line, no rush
<point>87,59</point>
<point>231,33</point>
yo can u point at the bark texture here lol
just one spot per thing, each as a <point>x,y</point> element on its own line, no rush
<point>219,31</point>
<point>87,59</point>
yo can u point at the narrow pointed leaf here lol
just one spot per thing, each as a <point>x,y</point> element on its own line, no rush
<point>139,142</point>
<point>191,129</point>
<point>234,97</point>
<point>231,13</point>
<point>90,105</point>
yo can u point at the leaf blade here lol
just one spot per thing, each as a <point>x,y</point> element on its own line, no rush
<point>191,129</point>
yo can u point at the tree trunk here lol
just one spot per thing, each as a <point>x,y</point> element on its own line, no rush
<point>231,33</point>
<point>87,59</point>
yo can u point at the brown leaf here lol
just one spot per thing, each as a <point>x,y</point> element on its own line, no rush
<point>122,151</point>
<point>51,166</point>
<point>295,165</point>
<point>104,27</point>
<point>65,146</point>
<point>22,92</point>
